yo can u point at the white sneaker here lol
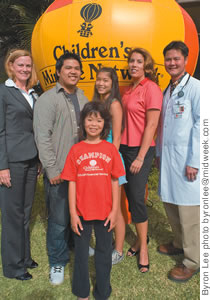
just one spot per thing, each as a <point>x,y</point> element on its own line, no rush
<point>91,251</point>
<point>116,257</point>
<point>57,275</point>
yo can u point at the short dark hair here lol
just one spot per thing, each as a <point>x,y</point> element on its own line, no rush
<point>65,56</point>
<point>178,45</point>
<point>95,107</point>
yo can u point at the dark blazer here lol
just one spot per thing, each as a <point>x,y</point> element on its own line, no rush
<point>16,127</point>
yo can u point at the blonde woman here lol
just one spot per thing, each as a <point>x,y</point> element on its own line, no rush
<point>18,163</point>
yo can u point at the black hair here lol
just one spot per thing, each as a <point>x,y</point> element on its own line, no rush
<point>62,58</point>
<point>95,107</point>
<point>178,45</point>
<point>115,91</point>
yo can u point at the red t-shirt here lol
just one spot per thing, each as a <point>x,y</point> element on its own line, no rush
<point>91,166</point>
<point>147,95</point>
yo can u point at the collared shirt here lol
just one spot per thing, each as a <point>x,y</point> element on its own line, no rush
<point>70,108</point>
<point>147,95</point>
<point>73,98</point>
<point>173,85</point>
<point>28,96</point>
<point>55,127</point>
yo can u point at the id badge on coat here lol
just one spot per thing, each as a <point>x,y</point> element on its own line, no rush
<point>178,110</point>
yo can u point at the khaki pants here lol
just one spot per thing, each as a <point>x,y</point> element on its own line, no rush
<point>185,224</point>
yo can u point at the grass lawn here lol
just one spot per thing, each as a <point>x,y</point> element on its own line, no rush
<point>127,282</point>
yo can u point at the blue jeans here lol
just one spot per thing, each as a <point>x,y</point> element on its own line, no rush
<point>58,230</point>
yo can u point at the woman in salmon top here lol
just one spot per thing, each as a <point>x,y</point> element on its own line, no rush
<point>142,103</point>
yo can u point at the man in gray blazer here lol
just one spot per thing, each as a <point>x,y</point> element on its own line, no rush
<point>56,121</point>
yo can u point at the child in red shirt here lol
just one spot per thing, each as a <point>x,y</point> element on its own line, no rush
<point>92,168</point>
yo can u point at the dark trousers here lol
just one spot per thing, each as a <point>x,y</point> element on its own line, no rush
<point>103,261</point>
<point>135,188</point>
<point>16,204</point>
<point>58,231</point>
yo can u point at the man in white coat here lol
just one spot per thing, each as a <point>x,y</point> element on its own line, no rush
<point>178,150</point>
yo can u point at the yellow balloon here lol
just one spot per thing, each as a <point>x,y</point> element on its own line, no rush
<point>102,33</point>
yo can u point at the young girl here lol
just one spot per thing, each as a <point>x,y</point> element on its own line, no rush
<point>92,168</point>
<point>107,91</point>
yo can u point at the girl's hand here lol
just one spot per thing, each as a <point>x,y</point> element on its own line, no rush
<point>76,224</point>
<point>136,166</point>
<point>5,178</point>
<point>112,219</point>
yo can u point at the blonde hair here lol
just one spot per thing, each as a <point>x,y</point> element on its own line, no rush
<point>11,56</point>
<point>149,70</point>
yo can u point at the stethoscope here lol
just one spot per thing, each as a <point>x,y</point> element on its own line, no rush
<point>180,93</point>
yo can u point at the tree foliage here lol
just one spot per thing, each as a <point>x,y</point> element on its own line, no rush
<point>18,18</point>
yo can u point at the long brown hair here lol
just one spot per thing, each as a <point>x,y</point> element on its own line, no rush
<point>149,70</point>
<point>115,90</point>
<point>11,56</point>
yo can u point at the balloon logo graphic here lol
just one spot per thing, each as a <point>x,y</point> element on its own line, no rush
<point>89,13</point>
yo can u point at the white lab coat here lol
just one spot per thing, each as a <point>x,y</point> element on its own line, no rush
<point>178,143</point>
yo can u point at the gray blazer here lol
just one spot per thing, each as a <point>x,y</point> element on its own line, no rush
<point>16,127</point>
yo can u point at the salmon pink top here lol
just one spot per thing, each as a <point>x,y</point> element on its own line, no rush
<point>147,95</point>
